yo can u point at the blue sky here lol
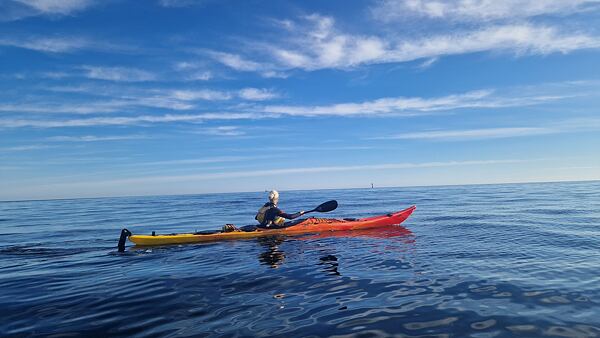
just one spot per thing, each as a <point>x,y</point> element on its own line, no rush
<point>112,98</point>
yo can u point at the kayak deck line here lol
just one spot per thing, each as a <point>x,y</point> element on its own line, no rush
<point>308,225</point>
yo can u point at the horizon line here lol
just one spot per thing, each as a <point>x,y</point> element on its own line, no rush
<point>286,190</point>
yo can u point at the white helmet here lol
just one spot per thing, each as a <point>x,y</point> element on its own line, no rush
<point>273,196</point>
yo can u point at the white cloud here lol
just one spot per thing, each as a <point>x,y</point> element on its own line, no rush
<point>120,104</point>
<point>272,74</point>
<point>65,44</point>
<point>237,62</point>
<point>18,9</point>
<point>203,94</point>
<point>73,108</point>
<point>118,74</point>
<point>306,170</point>
<point>486,133</point>
<point>520,39</point>
<point>126,98</point>
<point>208,160</point>
<point>324,47</point>
<point>193,71</point>
<point>319,45</point>
<point>55,75</point>
<point>63,7</point>
<point>122,120</point>
<point>92,138</point>
<point>199,76</point>
<point>428,63</point>
<point>158,101</point>
<point>179,3</point>
<point>48,44</point>
<point>409,106</point>
<point>477,10</point>
<point>257,94</point>
<point>24,148</point>
<point>573,125</point>
<point>313,149</point>
<point>223,131</point>
<point>185,65</point>
<point>252,94</point>
<point>184,100</point>
<point>121,98</point>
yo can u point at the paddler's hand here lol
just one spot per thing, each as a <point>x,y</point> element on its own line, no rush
<point>302,212</point>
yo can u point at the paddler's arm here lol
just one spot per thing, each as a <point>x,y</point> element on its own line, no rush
<point>290,216</point>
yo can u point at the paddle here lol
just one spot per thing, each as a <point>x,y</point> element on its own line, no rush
<point>325,207</point>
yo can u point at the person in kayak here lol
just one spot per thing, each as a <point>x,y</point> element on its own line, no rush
<point>270,216</point>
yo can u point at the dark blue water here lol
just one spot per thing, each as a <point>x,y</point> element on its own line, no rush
<point>478,261</point>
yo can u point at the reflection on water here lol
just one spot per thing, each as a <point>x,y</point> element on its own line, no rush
<point>477,261</point>
<point>272,256</point>
<point>330,262</point>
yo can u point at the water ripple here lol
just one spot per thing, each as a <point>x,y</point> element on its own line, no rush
<point>475,261</point>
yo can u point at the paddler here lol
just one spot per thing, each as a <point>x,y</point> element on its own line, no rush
<point>270,216</point>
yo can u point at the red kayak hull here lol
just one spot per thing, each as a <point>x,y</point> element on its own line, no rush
<point>309,225</point>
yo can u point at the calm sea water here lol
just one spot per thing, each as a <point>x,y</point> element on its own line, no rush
<point>472,261</point>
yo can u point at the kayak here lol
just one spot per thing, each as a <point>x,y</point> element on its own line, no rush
<point>304,226</point>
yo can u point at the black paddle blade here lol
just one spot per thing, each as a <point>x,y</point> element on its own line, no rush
<point>327,206</point>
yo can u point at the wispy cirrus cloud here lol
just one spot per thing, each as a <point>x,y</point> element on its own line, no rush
<point>67,108</point>
<point>65,44</point>
<point>428,63</point>
<point>193,71</point>
<point>274,74</point>
<point>199,76</point>
<point>93,138</point>
<point>94,99</point>
<point>200,94</point>
<point>327,48</point>
<point>267,69</point>
<point>573,125</point>
<point>122,120</point>
<point>409,106</point>
<point>388,106</point>
<point>118,74</point>
<point>470,134</point>
<point>178,99</point>
<point>117,98</point>
<point>257,94</point>
<point>49,44</point>
<point>307,170</point>
<point>250,94</point>
<point>318,44</point>
<point>122,103</point>
<point>25,148</point>
<point>125,98</point>
<point>55,75</point>
<point>477,10</point>
<point>223,131</point>
<point>180,3</point>
<point>237,62</point>
<point>205,160</point>
<point>64,7</point>
<point>18,9</point>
